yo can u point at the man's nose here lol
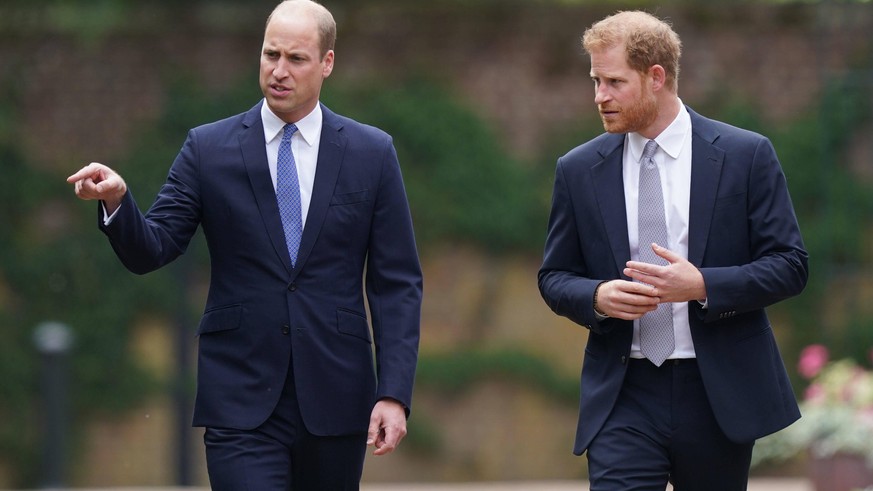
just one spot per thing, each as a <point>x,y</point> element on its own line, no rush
<point>601,94</point>
<point>281,70</point>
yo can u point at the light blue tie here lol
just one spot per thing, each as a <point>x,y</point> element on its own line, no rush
<point>656,327</point>
<point>288,194</point>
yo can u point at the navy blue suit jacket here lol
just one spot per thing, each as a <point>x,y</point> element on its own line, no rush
<point>744,238</point>
<point>261,314</point>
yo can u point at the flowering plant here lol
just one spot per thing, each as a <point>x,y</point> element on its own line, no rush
<point>837,411</point>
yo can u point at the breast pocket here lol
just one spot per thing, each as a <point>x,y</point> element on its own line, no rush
<point>731,201</point>
<point>349,215</point>
<point>351,198</point>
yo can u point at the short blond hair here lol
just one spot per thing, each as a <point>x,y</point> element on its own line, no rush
<point>323,17</point>
<point>647,41</point>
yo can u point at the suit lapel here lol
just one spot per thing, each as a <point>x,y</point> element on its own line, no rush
<point>331,148</point>
<point>254,153</point>
<point>608,186</point>
<point>706,164</point>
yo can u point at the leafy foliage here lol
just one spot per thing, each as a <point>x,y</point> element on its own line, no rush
<point>834,209</point>
<point>55,266</point>
<point>460,370</point>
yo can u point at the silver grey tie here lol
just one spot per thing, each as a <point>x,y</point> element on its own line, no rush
<point>656,327</point>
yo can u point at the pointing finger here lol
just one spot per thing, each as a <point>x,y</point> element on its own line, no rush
<point>88,171</point>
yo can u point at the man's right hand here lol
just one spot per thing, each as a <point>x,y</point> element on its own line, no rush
<point>97,181</point>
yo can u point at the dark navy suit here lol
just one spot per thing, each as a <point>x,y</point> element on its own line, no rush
<point>261,314</point>
<point>744,238</point>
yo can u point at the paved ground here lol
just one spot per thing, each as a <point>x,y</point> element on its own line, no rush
<point>754,485</point>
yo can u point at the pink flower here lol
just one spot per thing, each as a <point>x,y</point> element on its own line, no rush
<point>815,394</point>
<point>812,359</point>
<point>865,417</point>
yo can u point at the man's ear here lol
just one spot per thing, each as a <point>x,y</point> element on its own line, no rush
<point>327,69</point>
<point>658,76</point>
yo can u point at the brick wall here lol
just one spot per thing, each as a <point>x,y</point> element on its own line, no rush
<point>83,95</point>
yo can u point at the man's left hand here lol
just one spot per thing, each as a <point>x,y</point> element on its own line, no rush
<point>678,281</point>
<point>387,426</point>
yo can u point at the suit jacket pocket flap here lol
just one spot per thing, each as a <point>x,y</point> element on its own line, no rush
<point>221,319</point>
<point>354,324</point>
<point>349,198</point>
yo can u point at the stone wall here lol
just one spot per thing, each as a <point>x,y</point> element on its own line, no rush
<point>83,96</point>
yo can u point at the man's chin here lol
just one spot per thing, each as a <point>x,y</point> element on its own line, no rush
<point>613,127</point>
<point>279,106</point>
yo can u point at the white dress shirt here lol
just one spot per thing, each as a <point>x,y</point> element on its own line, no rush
<point>304,146</point>
<point>674,165</point>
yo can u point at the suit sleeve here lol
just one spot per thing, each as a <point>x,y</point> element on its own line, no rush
<point>147,242</point>
<point>562,279</point>
<point>778,266</point>
<point>394,285</point>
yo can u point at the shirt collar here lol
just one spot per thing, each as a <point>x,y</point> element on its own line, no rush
<point>309,127</point>
<point>671,140</point>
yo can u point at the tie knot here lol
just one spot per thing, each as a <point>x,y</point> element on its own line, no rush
<point>649,150</point>
<point>289,130</point>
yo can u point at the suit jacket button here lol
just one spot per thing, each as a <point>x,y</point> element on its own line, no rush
<point>623,359</point>
<point>292,287</point>
<point>286,330</point>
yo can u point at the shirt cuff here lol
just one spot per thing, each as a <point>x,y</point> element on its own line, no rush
<point>107,219</point>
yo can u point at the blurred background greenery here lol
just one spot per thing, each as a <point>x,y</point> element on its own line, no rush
<point>481,97</point>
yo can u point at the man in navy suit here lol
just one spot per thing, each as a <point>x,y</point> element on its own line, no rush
<point>294,379</point>
<point>684,398</point>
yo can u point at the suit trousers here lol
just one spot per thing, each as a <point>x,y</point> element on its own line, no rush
<point>662,429</point>
<point>281,455</point>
